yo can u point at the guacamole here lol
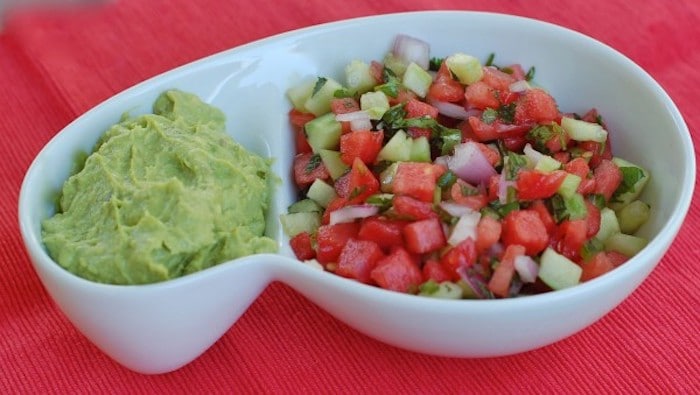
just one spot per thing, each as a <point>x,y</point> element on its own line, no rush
<point>162,195</point>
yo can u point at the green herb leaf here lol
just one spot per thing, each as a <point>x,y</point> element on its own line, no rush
<point>597,199</point>
<point>530,74</point>
<point>489,116</point>
<point>435,63</point>
<point>391,85</point>
<point>314,162</point>
<point>447,179</point>
<point>591,248</point>
<point>468,190</point>
<point>447,137</point>
<point>503,209</point>
<point>320,82</point>
<point>506,113</point>
<point>630,176</point>
<point>489,60</point>
<point>571,208</point>
<point>381,200</point>
<point>558,208</point>
<point>513,163</point>
<point>541,134</point>
<point>342,93</point>
<point>357,191</point>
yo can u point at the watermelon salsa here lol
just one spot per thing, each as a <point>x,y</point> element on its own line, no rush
<point>453,178</point>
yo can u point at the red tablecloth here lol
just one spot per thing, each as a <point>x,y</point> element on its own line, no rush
<point>56,65</point>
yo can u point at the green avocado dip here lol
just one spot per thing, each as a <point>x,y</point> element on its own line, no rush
<point>162,195</point>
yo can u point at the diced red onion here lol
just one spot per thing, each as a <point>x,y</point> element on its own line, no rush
<point>360,124</point>
<point>519,86</point>
<point>352,116</point>
<point>503,186</point>
<point>410,49</point>
<point>470,164</point>
<point>442,160</point>
<point>455,209</point>
<point>359,120</point>
<point>495,250</point>
<point>450,109</point>
<point>475,282</point>
<point>527,268</point>
<point>353,212</point>
<point>464,228</point>
<point>532,154</point>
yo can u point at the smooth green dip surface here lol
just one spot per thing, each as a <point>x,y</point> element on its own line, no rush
<point>162,195</point>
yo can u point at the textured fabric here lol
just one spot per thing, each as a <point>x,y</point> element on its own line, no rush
<point>56,65</point>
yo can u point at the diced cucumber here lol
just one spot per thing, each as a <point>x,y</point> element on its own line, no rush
<point>323,91</point>
<point>296,223</point>
<point>395,64</point>
<point>381,200</point>
<point>417,80</point>
<point>298,94</point>
<point>558,271</point>
<point>305,206</point>
<point>576,206</point>
<point>466,68</point>
<point>634,179</point>
<point>633,216</point>
<point>443,290</point>
<point>420,150</point>
<point>375,103</point>
<point>568,187</point>
<point>608,224</point>
<point>331,159</point>
<point>625,244</point>
<point>386,178</point>
<point>321,192</point>
<point>547,164</point>
<point>397,149</point>
<point>583,131</point>
<point>358,77</point>
<point>323,132</point>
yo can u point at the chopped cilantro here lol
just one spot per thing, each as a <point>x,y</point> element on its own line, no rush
<point>391,84</point>
<point>489,60</point>
<point>630,176</point>
<point>489,116</point>
<point>513,163</point>
<point>443,137</point>
<point>501,210</point>
<point>541,134</point>
<point>530,74</point>
<point>468,190</point>
<point>357,191</point>
<point>435,63</point>
<point>505,113</point>
<point>314,162</point>
<point>558,208</point>
<point>572,208</point>
<point>381,200</point>
<point>591,248</point>
<point>342,93</point>
<point>447,179</point>
<point>597,199</point>
<point>320,82</point>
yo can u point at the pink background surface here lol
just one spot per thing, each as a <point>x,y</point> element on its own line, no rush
<point>56,65</point>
